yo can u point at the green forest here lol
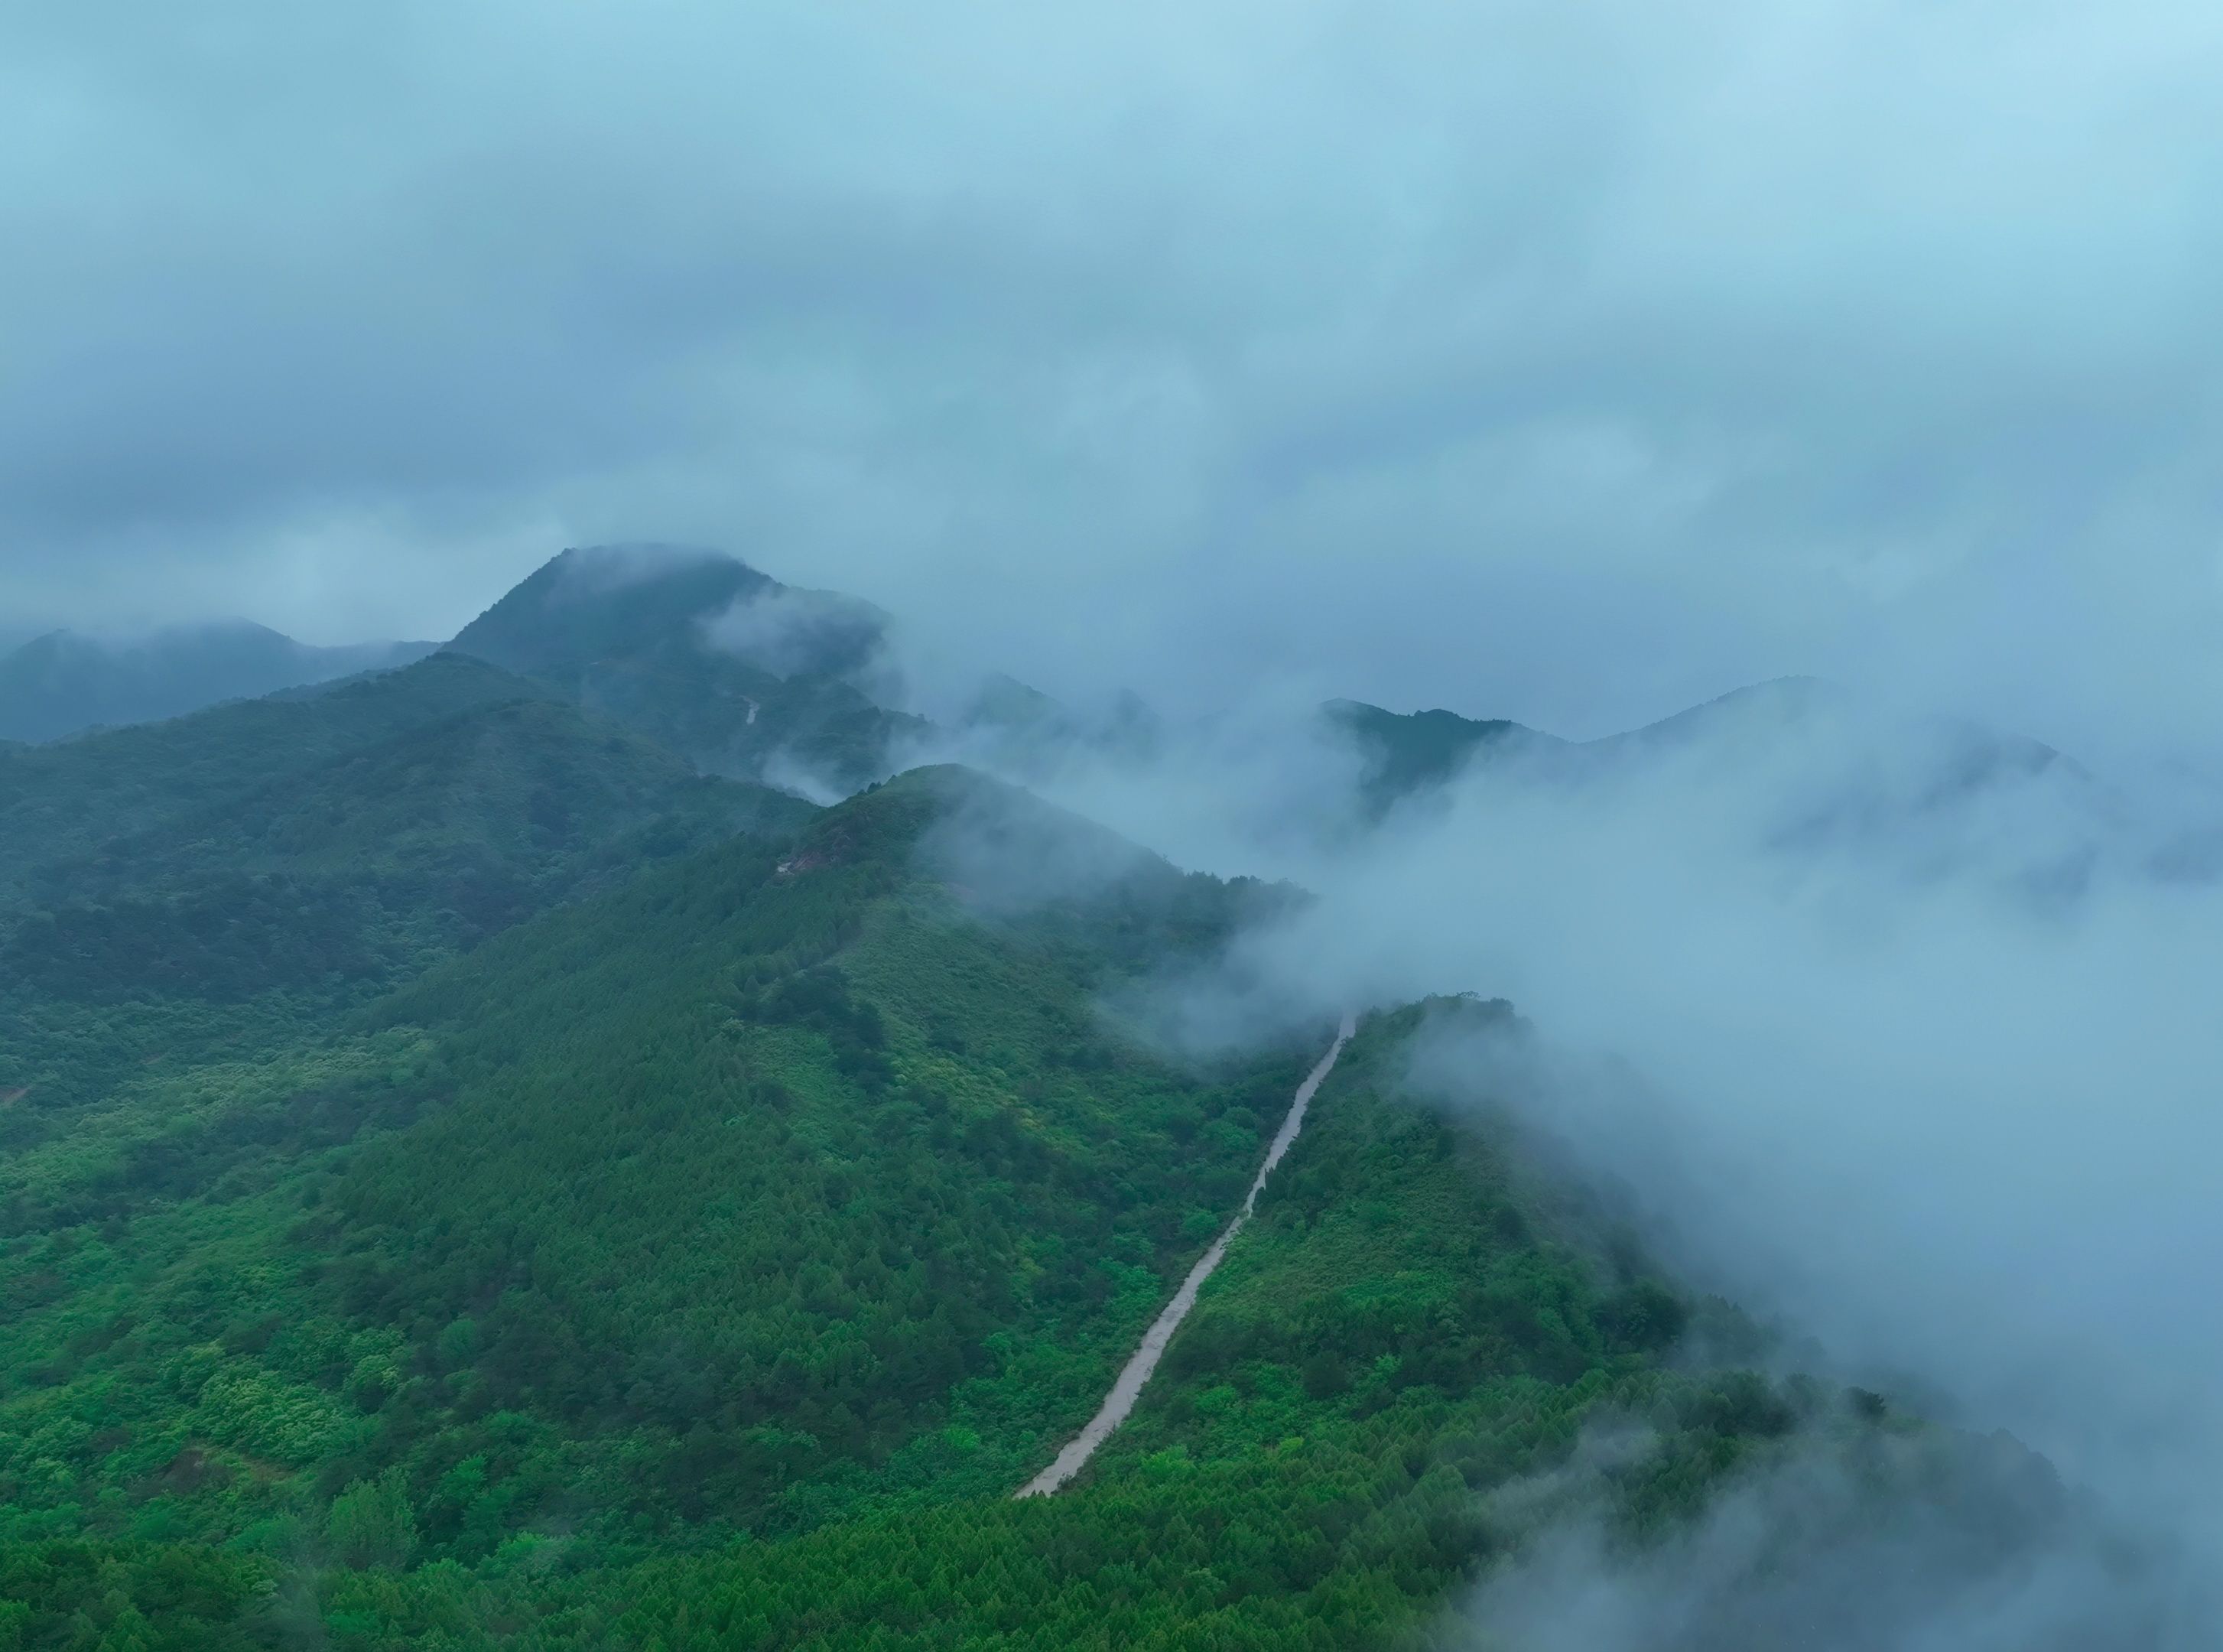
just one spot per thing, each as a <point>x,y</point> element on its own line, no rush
<point>476,1177</point>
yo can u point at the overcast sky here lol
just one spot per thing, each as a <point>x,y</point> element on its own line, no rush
<point>1566,360</point>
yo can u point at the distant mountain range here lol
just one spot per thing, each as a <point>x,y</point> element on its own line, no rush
<point>1803,766</point>
<point>749,679</point>
<point>62,683</point>
<point>1409,753</point>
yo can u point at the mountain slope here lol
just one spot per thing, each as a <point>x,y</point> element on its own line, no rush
<point>62,801</point>
<point>1762,720</point>
<point>600,601</point>
<point>704,1262</point>
<point>60,683</point>
<point>1381,1401</point>
<point>794,1191</point>
<point>430,839</point>
<point>770,1182</point>
<point>1802,766</point>
<point>743,675</point>
<point>236,875</point>
<point>1413,753</point>
<point>473,1180</point>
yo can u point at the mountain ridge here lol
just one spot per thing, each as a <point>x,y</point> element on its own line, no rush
<point>479,1175</point>
<point>741,674</point>
<point>61,684</point>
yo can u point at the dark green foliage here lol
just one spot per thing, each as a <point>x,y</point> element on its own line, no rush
<point>1414,752</point>
<point>1644,1315</point>
<point>64,802</point>
<point>219,937</point>
<point>756,1196</point>
<point>423,843</point>
<point>604,601</point>
<point>1302,1474</point>
<point>167,1598</point>
<point>660,638</point>
<point>273,891</point>
<point>814,726</point>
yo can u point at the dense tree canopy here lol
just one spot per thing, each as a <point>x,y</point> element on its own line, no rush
<point>473,1181</point>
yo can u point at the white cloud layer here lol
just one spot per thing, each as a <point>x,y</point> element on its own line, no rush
<point>1926,1077</point>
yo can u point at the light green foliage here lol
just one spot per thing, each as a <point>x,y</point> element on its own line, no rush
<point>1252,1502</point>
<point>736,1199</point>
<point>371,1522</point>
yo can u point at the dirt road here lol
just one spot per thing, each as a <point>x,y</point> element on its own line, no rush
<point>1136,1371</point>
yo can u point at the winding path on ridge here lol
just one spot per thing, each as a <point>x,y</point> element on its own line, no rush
<point>1128,1388</point>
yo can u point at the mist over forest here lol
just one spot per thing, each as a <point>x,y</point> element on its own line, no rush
<point>1425,799</point>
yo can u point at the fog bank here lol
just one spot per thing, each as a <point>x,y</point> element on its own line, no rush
<point>1911,1057</point>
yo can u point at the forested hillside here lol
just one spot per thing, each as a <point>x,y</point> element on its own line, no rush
<point>237,876</point>
<point>473,1179</point>
<point>1405,1332</point>
<point>768,1185</point>
<point>1383,1397</point>
<point>63,801</point>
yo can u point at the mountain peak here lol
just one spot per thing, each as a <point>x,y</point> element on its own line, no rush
<point>589,602</point>
<point>1411,752</point>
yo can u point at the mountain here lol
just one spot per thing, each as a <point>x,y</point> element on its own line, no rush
<point>258,865</point>
<point>598,601</point>
<point>796,1194</point>
<point>473,1179</point>
<point>62,683</point>
<point>1411,753</point>
<point>62,800</point>
<point>705,1259</point>
<point>1811,768</point>
<point>1769,720</point>
<point>1765,723</point>
<point>1804,767</point>
<point>758,1184</point>
<point>1015,730</point>
<point>741,674</point>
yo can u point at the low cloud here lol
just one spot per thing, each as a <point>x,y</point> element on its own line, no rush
<point>786,631</point>
<point>589,572</point>
<point>1825,1016</point>
<point>1569,364</point>
<point>1910,1543</point>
